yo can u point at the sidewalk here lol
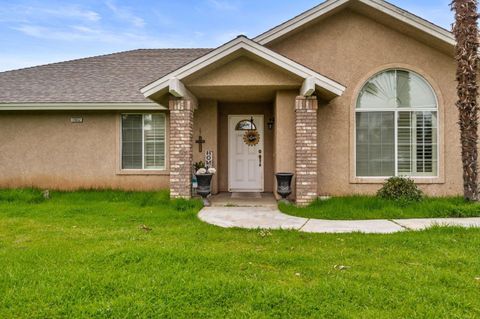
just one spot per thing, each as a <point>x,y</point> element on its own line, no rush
<point>272,218</point>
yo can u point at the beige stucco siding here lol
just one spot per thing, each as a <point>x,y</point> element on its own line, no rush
<point>284,135</point>
<point>350,48</point>
<point>244,71</point>
<point>205,122</point>
<point>46,150</point>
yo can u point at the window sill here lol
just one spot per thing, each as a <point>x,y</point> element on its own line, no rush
<point>417,180</point>
<point>143,172</point>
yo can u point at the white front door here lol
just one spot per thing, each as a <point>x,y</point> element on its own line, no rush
<point>245,163</point>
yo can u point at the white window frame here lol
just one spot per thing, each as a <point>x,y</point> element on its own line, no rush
<point>396,111</point>
<point>164,167</point>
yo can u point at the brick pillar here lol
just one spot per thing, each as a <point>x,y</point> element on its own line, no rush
<point>306,149</point>
<point>181,147</point>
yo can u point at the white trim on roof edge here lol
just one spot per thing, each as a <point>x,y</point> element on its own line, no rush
<point>237,44</point>
<point>379,5</point>
<point>80,106</point>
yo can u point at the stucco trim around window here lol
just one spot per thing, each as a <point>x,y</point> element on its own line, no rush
<point>440,178</point>
<point>140,172</point>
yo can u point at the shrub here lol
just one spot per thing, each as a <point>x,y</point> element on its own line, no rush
<point>400,189</point>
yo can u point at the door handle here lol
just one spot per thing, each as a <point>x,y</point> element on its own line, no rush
<point>260,160</point>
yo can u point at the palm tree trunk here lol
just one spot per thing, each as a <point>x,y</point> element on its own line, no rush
<point>466,53</point>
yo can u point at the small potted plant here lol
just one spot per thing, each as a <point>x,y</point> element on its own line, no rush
<point>204,182</point>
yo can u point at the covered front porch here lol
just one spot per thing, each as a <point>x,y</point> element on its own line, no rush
<point>236,88</point>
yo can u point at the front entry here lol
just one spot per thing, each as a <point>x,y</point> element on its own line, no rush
<point>245,162</point>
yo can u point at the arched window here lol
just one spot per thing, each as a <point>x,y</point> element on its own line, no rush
<point>396,126</point>
<point>245,125</point>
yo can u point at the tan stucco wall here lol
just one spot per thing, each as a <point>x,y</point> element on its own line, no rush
<point>242,79</point>
<point>350,48</point>
<point>206,120</point>
<point>244,71</point>
<point>226,109</point>
<point>46,150</point>
<point>284,134</point>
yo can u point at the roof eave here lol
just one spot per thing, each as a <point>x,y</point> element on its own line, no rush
<point>54,106</point>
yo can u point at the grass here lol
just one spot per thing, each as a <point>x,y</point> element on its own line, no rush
<point>137,255</point>
<point>371,207</point>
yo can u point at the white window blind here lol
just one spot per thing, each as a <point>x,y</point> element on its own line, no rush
<point>417,143</point>
<point>132,141</point>
<point>396,127</point>
<point>154,141</point>
<point>376,143</point>
<point>143,141</point>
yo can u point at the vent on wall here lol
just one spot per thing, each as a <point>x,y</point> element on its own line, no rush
<point>76,119</point>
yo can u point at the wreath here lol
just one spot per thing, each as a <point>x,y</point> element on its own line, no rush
<point>251,137</point>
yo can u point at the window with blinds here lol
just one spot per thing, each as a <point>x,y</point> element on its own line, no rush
<point>143,141</point>
<point>376,143</point>
<point>396,127</point>
<point>417,143</point>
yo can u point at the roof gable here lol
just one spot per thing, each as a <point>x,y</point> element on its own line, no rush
<point>234,73</point>
<point>330,7</point>
<point>236,47</point>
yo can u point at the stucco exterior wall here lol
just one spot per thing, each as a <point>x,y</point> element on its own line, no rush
<point>226,109</point>
<point>206,120</point>
<point>244,71</point>
<point>46,150</point>
<point>284,134</point>
<point>350,48</point>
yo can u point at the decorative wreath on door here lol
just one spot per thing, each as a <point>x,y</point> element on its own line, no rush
<point>251,137</point>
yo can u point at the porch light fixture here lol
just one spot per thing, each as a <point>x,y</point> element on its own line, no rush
<point>270,123</point>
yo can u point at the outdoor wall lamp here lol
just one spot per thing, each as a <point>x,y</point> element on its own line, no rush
<point>270,123</point>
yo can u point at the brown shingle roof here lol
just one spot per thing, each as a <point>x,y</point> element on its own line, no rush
<point>116,77</point>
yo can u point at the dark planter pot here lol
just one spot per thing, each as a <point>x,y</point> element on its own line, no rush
<point>284,184</point>
<point>204,186</point>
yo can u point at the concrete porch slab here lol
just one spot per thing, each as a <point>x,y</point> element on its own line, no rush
<point>226,200</point>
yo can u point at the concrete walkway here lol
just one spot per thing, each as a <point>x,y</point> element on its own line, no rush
<point>271,218</point>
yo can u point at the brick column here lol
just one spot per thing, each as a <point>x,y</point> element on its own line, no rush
<point>181,147</point>
<point>306,149</point>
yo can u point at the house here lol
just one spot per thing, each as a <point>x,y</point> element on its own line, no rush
<point>343,95</point>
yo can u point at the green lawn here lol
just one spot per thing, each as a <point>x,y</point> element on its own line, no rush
<point>371,207</point>
<point>86,255</point>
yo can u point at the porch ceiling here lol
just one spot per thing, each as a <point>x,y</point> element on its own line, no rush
<point>239,93</point>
